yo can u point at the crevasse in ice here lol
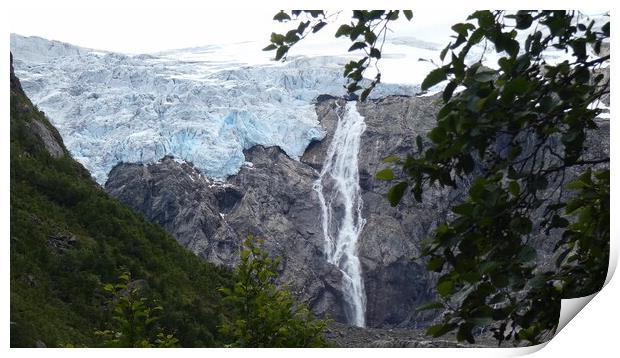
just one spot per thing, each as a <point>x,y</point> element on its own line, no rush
<point>190,104</point>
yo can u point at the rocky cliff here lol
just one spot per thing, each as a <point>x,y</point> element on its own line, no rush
<point>273,198</point>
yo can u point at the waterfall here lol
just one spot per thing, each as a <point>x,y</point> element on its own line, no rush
<point>341,204</point>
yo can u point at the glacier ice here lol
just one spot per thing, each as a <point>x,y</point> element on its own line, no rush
<point>203,104</point>
<point>190,104</point>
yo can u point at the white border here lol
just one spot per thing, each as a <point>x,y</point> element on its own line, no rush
<point>593,332</point>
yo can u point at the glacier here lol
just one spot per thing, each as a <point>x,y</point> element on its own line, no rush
<point>194,104</point>
<point>204,105</point>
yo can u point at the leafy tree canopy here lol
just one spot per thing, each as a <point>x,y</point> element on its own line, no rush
<point>515,137</point>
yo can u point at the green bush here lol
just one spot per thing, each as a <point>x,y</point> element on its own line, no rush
<point>263,315</point>
<point>134,318</point>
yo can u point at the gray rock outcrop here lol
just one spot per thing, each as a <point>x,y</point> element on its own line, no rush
<point>273,199</point>
<point>37,125</point>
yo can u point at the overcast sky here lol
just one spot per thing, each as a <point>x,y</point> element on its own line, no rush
<point>146,26</point>
<point>139,28</point>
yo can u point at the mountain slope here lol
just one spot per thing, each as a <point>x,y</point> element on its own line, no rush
<point>68,237</point>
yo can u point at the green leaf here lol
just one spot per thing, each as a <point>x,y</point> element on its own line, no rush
<point>514,188</point>
<point>430,306</point>
<point>435,264</point>
<point>374,52</point>
<point>370,37</point>
<point>439,329</point>
<point>375,14</point>
<point>476,36</point>
<point>270,47</point>
<point>445,288</point>
<point>437,135</point>
<point>391,159</point>
<point>409,14</point>
<point>291,36</point>
<point>343,30</point>
<point>462,28</point>
<point>245,254</point>
<point>449,90</point>
<point>488,266</point>
<point>392,15</point>
<point>499,279</point>
<point>282,50</point>
<point>517,86</point>
<point>524,20</point>
<point>357,46</point>
<point>465,209</point>
<point>434,77</point>
<point>365,94</point>
<point>443,52</point>
<point>582,75</point>
<point>464,333</point>
<point>512,48</point>
<point>277,39</point>
<point>418,143</point>
<point>316,13</point>
<point>485,18</point>
<point>302,26</point>
<point>467,163</point>
<point>417,193</point>
<point>281,16</point>
<point>558,222</point>
<point>385,174</point>
<point>396,193</point>
<point>316,28</point>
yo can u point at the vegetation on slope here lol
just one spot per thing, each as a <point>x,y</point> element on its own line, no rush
<point>68,237</point>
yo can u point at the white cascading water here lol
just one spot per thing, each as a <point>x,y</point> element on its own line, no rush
<point>341,203</point>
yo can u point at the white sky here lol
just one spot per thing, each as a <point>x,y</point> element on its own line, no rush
<point>142,27</point>
<point>139,27</point>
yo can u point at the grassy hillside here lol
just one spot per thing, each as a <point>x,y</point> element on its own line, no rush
<point>68,237</point>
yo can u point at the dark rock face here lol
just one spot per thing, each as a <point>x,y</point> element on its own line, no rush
<point>177,197</point>
<point>274,199</point>
<point>395,284</point>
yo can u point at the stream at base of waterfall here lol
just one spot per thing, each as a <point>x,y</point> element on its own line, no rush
<point>341,205</point>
